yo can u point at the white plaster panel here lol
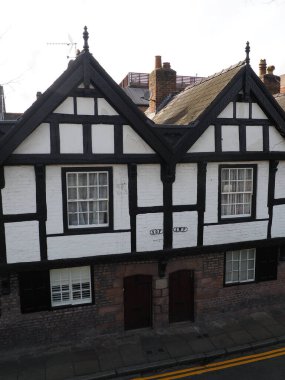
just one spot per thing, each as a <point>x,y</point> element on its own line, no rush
<point>121,197</point>
<point>206,142</point>
<point>262,189</point>
<point>278,221</point>
<point>230,138</point>
<point>257,112</point>
<point>280,181</point>
<point>236,232</point>
<point>85,106</point>
<point>72,246</point>
<point>37,142</point>
<point>22,242</point>
<point>54,223</point>
<point>102,138</point>
<point>133,143</point>
<point>228,112</point>
<point>146,223</point>
<point>212,184</point>
<point>66,107</point>
<point>254,138</point>
<point>242,110</point>
<point>276,141</point>
<point>19,193</point>
<point>182,238</point>
<point>185,185</point>
<point>104,108</point>
<point>149,185</point>
<point>71,138</point>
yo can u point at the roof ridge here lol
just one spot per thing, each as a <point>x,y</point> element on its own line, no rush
<point>240,63</point>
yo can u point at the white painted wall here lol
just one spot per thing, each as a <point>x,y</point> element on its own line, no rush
<point>242,110</point>
<point>121,215</point>
<point>149,186</point>
<point>276,141</point>
<point>104,108</point>
<point>121,197</point>
<point>188,220</point>
<point>185,185</point>
<point>228,112</point>
<point>66,107</point>
<point>133,143</point>
<point>72,246</point>
<point>205,143</point>
<point>254,138</point>
<point>71,138</point>
<point>54,223</point>
<point>212,184</point>
<point>146,223</point>
<point>85,106</point>
<point>19,193</point>
<point>236,232</point>
<point>230,138</point>
<point>37,142</point>
<point>280,180</point>
<point>102,138</point>
<point>257,112</point>
<point>22,242</point>
<point>278,221</point>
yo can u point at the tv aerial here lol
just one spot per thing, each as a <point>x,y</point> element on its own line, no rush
<point>71,44</point>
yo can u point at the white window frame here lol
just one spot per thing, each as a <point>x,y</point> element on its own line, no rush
<point>237,187</point>
<point>70,286</point>
<point>94,205</point>
<point>240,266</point>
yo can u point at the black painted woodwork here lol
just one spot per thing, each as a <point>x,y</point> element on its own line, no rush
<point>3,258</point>
<point>137,301</point>
<point>133,201</point>
<point>266,263</point>
<point>41,208</point>
<point>181,296</point>
<point>167,177</point>
<point>201,200</point>
<point>273,164</point>
<point>34,291</point>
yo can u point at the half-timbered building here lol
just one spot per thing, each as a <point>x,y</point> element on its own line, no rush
<point>111,221</point>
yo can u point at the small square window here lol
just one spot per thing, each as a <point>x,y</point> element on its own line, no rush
<point>240,266</point>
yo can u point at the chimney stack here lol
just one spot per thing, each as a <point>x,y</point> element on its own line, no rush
<point>271,81</point>
<point>162,82</point>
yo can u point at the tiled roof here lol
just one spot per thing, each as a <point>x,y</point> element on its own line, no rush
<point>189,104</point>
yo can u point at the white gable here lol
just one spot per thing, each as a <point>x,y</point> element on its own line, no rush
<point>133,143</point>
<point>85,106</point>
<point>242,110</point>
<point>257,112</point>
<point>102,138</point>
<point>104,108</point>
<point>206,142</point>
<point>276,141</point>
<point>66,107</point>
<point>230,138</point>
<point>228,112</point>
<point>37,142</point>
<point>254,138</point>
<point>71,138</point>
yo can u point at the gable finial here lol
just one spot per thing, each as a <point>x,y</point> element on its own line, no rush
<point>85,38</point>
<point>247,50</point>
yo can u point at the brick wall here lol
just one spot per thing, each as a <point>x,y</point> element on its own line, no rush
<point>81,323</point>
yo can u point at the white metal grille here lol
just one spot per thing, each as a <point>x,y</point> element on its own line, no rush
<point>70,286</point>
<point>236,192</point>
<point>87,199</point>
<point>240,266</point>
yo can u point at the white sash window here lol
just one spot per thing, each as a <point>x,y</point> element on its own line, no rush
<point>236,192</point>
<point>87,199</point>
<point>70,286</point>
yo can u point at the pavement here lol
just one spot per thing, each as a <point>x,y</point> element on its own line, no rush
<point>137,352</point>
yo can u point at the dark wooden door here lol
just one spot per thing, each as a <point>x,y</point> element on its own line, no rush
<point>138,301</point>
<point>181,296</point>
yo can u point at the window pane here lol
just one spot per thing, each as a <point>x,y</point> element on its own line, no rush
<point>82,192</point>
<point>72,220</point>
<point>71,179</point>
<point>103,192</point>
<point>72,193</point>
<point>102,178</point>
<point>82,179</point>
<point>92,179</point>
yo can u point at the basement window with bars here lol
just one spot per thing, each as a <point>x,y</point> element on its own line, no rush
<point>70,286</point>
<point>240,266</point>
<point>87,199</point>
<point>237,191</point>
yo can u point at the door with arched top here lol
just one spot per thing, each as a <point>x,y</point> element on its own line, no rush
<point>181,296</point>
<point>137,301</point>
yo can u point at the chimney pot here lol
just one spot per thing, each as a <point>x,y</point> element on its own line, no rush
<point>166,65</point>
<point>270,69</point>
<point>157,62</point>
<point>262,67</point>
